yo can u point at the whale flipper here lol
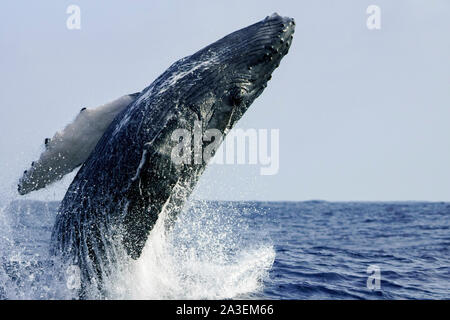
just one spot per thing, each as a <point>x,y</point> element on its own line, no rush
<point>70,147</point>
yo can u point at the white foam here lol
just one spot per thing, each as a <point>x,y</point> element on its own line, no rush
<point>200,259</point>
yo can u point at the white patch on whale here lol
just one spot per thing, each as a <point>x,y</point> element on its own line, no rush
<point>70,147</point>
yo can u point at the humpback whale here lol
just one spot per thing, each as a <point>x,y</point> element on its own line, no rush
<point>129,179</point>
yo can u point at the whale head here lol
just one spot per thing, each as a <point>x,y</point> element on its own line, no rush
<point>223,79</point>
<point>250,55</point>
<point>247,59</point>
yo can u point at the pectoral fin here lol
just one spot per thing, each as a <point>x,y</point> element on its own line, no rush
<point>70,147</point>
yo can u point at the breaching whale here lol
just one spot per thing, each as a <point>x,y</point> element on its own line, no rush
<point>129,178</point>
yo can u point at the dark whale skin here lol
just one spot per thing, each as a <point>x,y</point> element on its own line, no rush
<point>119,192</point>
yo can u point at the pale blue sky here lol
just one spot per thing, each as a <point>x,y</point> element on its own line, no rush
<point>363,115</point>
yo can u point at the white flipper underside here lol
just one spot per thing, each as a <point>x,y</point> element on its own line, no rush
<point>70,147</point>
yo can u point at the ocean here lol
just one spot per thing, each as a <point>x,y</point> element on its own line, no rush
<point>252,250</point>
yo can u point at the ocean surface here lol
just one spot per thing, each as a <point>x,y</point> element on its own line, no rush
<point>252,250</point>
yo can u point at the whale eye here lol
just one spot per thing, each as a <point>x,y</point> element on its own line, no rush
<point>236,96</point>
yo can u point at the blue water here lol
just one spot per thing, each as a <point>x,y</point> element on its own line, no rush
<point>254,250</point>
<point>324,249</point>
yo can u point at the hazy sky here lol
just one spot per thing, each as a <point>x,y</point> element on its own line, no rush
<point>363,114</point>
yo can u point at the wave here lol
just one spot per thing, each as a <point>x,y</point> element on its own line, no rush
<point>206,255</point>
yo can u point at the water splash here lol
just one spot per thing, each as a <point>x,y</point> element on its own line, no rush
<point>206,255</point>
<point>26,269</point>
